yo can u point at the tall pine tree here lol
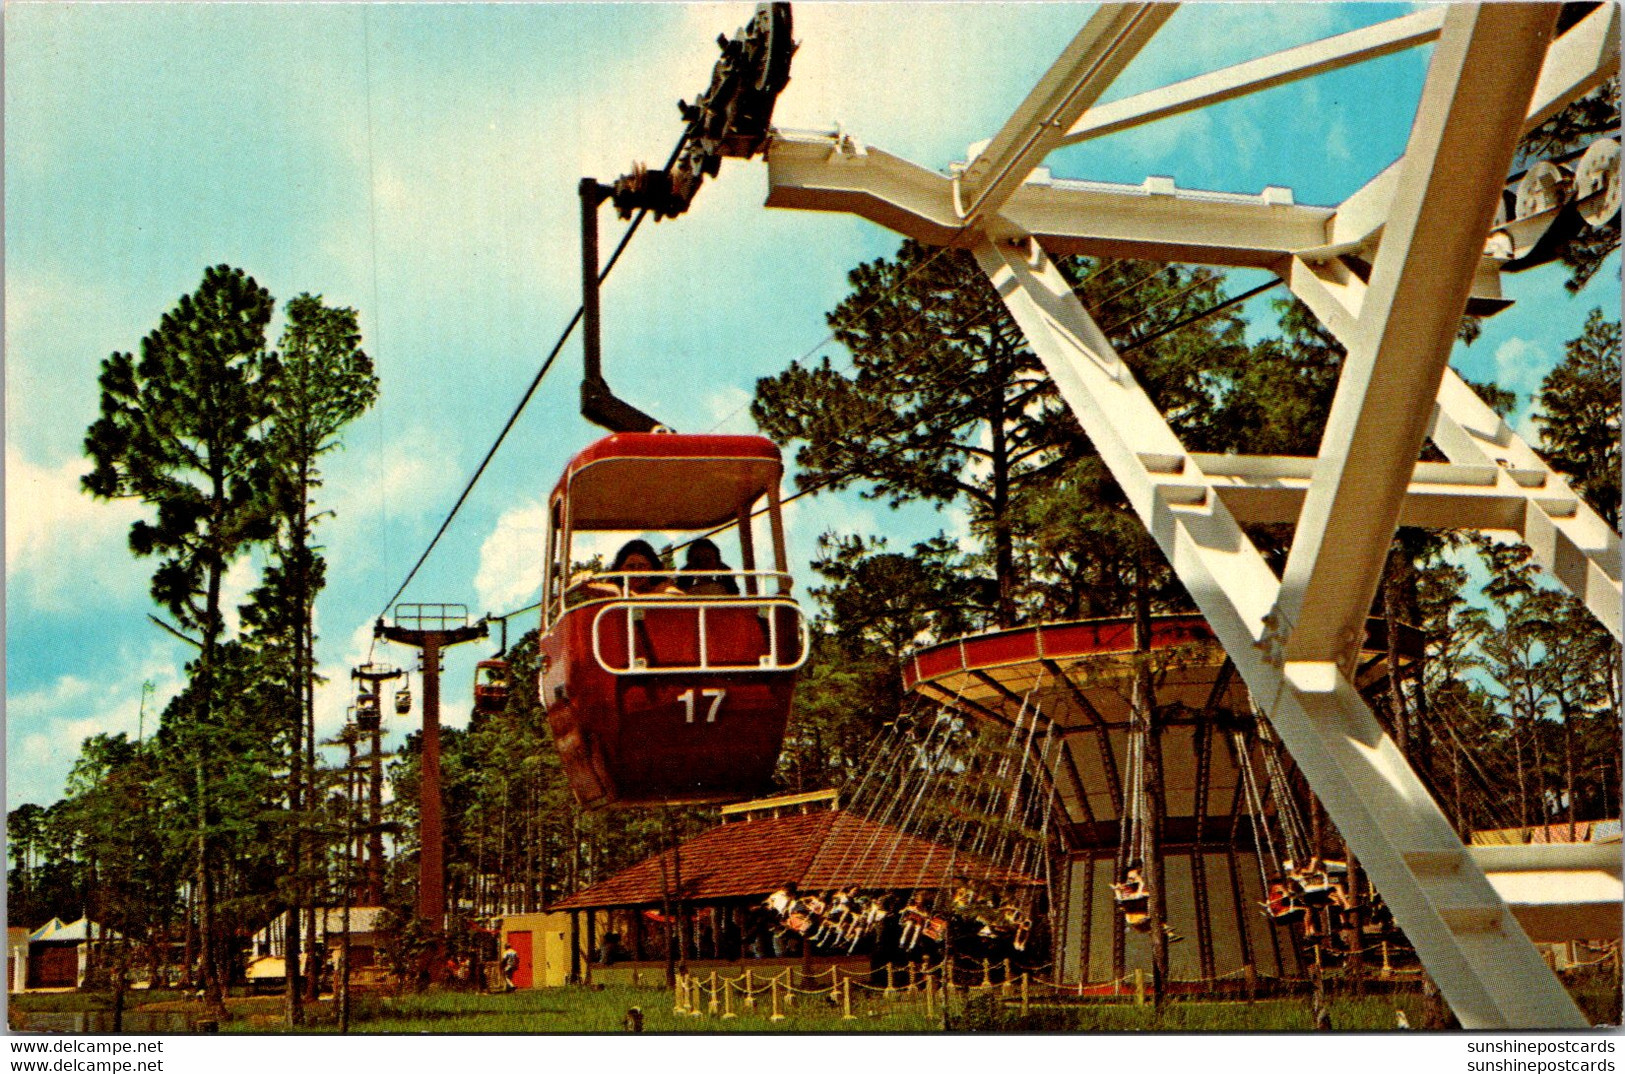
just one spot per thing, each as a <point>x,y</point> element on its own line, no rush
<point>181,431</point>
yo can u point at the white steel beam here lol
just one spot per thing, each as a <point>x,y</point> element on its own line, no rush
<point>1254,76</point>
<point>1499,486</point>
<point>1473,103</point>
<point>1271,489</point>
<point>1470,943</point>
<point>1111,38</point>
<point>835,173</point>
<point>1559,891</point>
<point>1578,62</point>
<point>1569,540</point>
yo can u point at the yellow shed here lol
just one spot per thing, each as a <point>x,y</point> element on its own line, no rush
<point>542,942</point>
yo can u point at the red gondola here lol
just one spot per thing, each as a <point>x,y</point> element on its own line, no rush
<point>659,692</point>
<point>490,687</point>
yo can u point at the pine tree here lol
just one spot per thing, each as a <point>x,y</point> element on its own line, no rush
<point>324,381</point>
<point>181,431</point>
<point>1579,415</point>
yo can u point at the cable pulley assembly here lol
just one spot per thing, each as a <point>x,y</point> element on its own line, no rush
<point>731,119</point>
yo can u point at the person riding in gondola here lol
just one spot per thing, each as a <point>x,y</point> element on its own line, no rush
<point>703,555</point>
<point>635,557</point>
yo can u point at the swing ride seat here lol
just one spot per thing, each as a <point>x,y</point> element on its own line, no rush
<point>490,686</point>
<point>1315,894</point>
<point>1284,915</point>
<point>668,697</point>
<point>1135,901</point>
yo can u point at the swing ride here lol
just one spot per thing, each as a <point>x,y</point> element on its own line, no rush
<point>960,836</point>
<point>1389,273</point>
<point>1217,814</point>
<point>943,847</point>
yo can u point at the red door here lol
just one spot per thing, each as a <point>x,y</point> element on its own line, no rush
<point>53,966</point>
<point>520,942</point>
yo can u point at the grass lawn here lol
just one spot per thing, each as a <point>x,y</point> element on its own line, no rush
<point>604,1010</point>
<point>576,1010</point>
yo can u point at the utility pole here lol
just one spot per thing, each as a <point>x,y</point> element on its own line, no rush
<point>374,676</point>
<point>430,628</point>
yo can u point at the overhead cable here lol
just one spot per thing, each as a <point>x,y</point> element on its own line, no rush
<point>575,319</point>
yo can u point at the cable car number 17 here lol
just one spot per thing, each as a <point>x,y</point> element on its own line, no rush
<point>714,696</point>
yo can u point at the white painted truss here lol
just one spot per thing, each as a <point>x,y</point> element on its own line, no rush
<point>1422,226</point>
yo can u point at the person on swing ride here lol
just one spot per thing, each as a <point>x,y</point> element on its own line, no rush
<point>1133,899</point>
<point>805,914</point>
<point>1279,901</point>
<point>703,555</point>
<point>1016,921</point>
<point>1132,889</point>
<point>869,916</point>
<point>840,907</point>
<point>782,899</point>
<point>1317,886</point>
<point>913,919</point>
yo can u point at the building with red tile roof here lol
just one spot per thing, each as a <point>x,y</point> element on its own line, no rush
<point>818,851</point>
<point>726,873</point>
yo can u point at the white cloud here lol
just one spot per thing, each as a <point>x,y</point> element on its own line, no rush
<point>809,518</point>
<point>241,576</point>
<point>1520,364</point>
<point>58,328</point>
<point>1207,37</point>
<point>957,519</point>
<point>728,409</point>
<point>382,495</point>
<point>510,571</point>
<point>63,548</point>
<point>1337,140</point>
<point>45,726</point>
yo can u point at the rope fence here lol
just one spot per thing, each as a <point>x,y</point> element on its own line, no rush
<point>927,986</point>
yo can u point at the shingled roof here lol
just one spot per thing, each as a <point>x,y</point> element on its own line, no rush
<point>818,851</point>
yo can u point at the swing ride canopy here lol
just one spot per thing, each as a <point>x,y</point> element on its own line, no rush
<point>1077,678</point>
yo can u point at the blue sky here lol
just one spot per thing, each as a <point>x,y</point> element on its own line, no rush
<point>419,163</point>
